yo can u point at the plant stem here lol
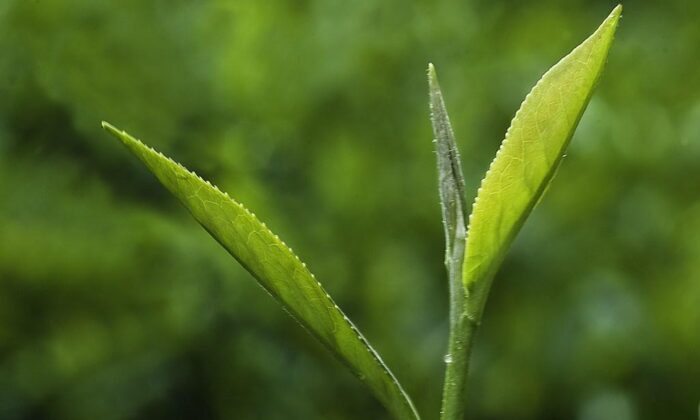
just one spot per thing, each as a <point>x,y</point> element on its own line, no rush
<point>457,369</point>
<point>462,329</point>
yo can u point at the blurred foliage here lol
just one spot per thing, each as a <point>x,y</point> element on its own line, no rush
<point>114,304</point>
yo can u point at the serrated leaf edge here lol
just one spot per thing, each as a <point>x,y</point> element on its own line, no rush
<point>123,136</point>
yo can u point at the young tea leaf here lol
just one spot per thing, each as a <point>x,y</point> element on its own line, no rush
<point>450,177</point>
<point>528,158</point>
<point>277,269</point>
<point>452,201</point>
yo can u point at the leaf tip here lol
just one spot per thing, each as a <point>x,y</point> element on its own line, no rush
<point>119,134</point>
<point>109,128</point>
<point>614,17</point>
<point>617,10</point>
<point>432,78</point>
<point>603,37</point>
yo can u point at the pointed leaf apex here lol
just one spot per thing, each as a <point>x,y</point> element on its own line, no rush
<point>110,128</point>
<point>617,11</point>
<point>121,135</point>
<point>433,80</point>
<point>609,25</point>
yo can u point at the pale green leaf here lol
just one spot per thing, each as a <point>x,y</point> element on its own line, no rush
<point>528,157</point>
<point>277,269</point>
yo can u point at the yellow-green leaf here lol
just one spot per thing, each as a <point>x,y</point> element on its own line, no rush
<point>277,269</point>
<point>528,157</point>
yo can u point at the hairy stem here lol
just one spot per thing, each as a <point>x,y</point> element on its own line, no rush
<point>462,329</point>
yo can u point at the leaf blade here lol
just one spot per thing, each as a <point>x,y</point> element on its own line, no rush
<point>450,175</point>
<point>278,270</point>
<point>528,157</point>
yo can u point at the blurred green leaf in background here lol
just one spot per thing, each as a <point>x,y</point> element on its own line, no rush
<point>115,305</point>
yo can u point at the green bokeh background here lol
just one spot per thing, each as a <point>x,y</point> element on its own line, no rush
<point>115,304</point>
